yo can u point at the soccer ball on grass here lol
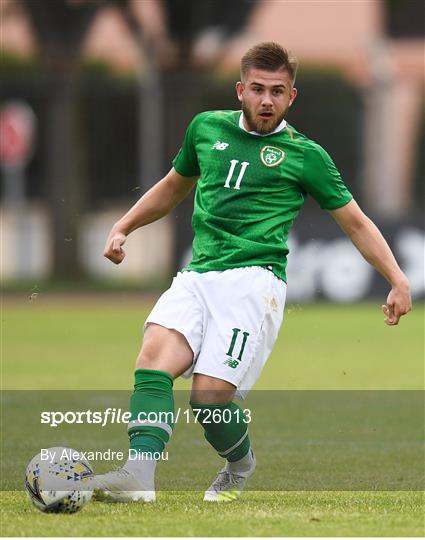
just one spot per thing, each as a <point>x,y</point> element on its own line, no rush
<point>51,483</point>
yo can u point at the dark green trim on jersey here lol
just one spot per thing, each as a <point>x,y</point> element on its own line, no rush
<point>250,190</point>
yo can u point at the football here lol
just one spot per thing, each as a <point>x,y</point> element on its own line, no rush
<point>51,480</point>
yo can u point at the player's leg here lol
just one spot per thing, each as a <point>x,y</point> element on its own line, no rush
<point>165,355</point>
<point>226,429</point>
<point>173,334</point>
<point>245,309</point>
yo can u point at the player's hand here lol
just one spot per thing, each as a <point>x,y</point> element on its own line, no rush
<point>399,303</point>
<point>113,249</point>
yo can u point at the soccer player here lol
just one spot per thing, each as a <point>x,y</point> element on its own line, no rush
<point>220,318</point>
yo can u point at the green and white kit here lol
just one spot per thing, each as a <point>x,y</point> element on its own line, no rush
<point>251,187</point>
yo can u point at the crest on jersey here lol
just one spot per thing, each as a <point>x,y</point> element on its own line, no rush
<point>272,156</point>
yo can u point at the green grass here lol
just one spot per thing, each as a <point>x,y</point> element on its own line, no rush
<point>76,343</point>
<point>257,514</point>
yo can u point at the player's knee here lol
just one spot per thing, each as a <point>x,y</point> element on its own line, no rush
<point>207,389</point>
<point>149,355</point>
<point>165,350</point>
<point>151,350</point>
<point>146,360</point>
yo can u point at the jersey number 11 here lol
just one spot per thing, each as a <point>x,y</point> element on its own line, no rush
<point>233,163</point>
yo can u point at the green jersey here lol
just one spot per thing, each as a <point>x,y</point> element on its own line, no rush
<point>250,189</point>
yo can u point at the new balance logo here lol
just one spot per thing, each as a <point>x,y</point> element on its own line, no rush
<point>220,145</point>
<point>231,363</point>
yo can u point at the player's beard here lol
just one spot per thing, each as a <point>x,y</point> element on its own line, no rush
<point>261,125</point>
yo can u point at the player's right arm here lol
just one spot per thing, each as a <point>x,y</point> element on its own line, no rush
<point>154,204</point>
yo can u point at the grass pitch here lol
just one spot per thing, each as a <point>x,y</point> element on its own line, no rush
<point>257,514</point>
<point>92,343</point>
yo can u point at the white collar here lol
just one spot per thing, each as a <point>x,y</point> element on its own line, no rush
<point>278,128</point>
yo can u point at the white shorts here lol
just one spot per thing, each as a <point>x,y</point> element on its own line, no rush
<point>230,319</point>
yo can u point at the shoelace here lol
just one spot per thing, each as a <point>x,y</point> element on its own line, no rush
<point>225,480</point>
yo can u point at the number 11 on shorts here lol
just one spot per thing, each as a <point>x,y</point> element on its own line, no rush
<point>233,343</point>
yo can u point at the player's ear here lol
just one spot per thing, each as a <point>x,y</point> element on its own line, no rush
<point>294,93</point>
<point>239,90</point>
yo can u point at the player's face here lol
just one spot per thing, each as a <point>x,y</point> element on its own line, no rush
<point>265,97</point>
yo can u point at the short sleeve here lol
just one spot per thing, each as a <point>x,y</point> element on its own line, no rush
<point>186,160</point>
<point>322,180</point>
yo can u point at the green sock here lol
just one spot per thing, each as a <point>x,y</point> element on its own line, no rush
<point>153,401</point>
<point>225,428</point>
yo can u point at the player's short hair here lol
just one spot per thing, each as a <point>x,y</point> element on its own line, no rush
<point>269,56</point>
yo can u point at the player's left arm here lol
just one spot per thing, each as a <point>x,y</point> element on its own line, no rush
<point>367,238</point>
